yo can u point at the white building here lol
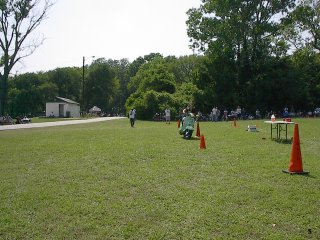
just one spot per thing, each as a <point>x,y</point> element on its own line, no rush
<point>63,107</point>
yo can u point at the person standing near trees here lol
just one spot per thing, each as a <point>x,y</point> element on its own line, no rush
<point>132,116</point>
<point>167,114</point>
<point>214,114</point>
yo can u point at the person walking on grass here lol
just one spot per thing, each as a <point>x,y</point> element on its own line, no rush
<point>132,116</point>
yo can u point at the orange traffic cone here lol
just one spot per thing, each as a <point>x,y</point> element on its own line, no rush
<point>295,165</point>
<point>202,142</point>
<point>234,122</point>
<point>179,123</point>
<point>198,130</point>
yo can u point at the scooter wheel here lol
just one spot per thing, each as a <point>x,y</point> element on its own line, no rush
<point>188,134</point>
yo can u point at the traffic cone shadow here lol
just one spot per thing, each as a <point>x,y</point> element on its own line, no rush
<point>295,164</point>
<point>202,142</point>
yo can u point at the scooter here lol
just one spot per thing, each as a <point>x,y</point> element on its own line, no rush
<point>187,126</point>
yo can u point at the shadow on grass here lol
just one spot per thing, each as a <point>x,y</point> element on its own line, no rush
<point>303,174</point>
<point>190,139</point>
<point>283,141</point>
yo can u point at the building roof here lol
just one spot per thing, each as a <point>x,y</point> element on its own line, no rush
<point>95,109</point>
<point>67,100</point>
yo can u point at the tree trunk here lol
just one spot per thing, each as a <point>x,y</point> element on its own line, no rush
<point>4,93</point>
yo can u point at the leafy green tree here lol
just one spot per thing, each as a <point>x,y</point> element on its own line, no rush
<point>150,102</point>
<point>137,63</point>
<point>122,73</point>
<point>307,65</point>
<point>187,94</point>
<point>18,19</point>
<point>153,75</point>
<point>49,90</point>
<point>243,29</point>
<point>240,33</point>
<point>68,82</point>
<point>134,68</point>
<point>218,79</point>
<point>29,93</point>
<point>185,68</point>
<point>277,86</point>
<point>152,82</point>
<point>101,87</point>
<point>305,24</point>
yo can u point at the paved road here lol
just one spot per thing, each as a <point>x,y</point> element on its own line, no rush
<point>59,123</point>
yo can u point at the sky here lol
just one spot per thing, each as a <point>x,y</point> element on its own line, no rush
<point>112,29</point>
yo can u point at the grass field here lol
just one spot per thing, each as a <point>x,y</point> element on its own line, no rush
<point>110,181</point>
<point>46,119</point>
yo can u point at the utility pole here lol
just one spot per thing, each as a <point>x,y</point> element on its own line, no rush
<point>83,100</point>
<point>83,108</point>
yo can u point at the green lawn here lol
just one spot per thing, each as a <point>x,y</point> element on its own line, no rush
<point>110,181</point>
<point>46,119</point>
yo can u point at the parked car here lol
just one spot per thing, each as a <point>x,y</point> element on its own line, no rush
<point>6,120</point>
<point>317,112</point>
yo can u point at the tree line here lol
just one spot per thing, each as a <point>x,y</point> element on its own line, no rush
<point>254,54</point>
<point>153,82</point>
